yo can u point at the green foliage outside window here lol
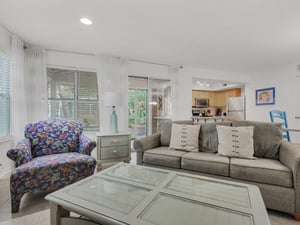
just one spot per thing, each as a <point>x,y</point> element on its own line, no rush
<point>138,112</point>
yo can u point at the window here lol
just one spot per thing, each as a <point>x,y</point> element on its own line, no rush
<point>73,94</point>
<point>5,95</point>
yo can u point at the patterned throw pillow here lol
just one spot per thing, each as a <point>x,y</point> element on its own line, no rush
<point>236,141</point>
<point>185,137</point>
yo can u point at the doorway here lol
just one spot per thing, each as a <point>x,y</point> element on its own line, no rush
<point>137,107</point>
<point>137,115</point>
<point>149,103</point>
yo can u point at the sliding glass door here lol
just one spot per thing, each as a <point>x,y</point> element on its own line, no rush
<point>159,103</point>
<point>149,103</point>
<point>137,106</point>
<point>137,115</point>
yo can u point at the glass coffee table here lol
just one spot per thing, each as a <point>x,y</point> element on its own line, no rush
<point>139,195</point>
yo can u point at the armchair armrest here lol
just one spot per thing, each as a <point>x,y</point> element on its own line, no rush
<point>86,145</point>
<point>289,155</point>
<point>21,153</point>
<point>146,143</point>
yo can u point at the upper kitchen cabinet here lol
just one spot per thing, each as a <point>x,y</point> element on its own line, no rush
<point>216,98</point>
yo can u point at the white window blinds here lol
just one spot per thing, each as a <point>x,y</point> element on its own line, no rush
<point>5,95</point>
<point>73,94</point>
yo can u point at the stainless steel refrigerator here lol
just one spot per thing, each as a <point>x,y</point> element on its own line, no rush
<point>236,108</point>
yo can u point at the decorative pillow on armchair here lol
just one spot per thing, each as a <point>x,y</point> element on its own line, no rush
<point>185,137</point>
<point>236,141</point>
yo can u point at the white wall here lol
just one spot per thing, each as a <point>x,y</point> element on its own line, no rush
<point>65,59</point>
<point>184,87</point>
<point>142,69</point>
<point>86,61</point>
<point>284,80</point>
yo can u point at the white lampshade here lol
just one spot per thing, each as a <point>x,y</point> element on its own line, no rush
<point>112,99</point>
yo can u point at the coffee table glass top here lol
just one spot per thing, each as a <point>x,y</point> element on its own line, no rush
<point>113,195</point>
<point>209,189</point>
<point>168,209</point>
<point>138,174</point>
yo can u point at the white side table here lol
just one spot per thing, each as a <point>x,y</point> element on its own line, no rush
<point>113,147</point>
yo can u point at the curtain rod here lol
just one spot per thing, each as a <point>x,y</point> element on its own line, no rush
<point>11,34</point>
<point>89,54</point>
<point>8,31</point>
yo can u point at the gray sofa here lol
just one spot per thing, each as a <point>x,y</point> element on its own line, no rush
<point>275,170</point>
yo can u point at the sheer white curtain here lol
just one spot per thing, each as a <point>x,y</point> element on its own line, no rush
<point>36,84</point>
<point>173,72</point>
<point>19,95</point>
<point>112,76</point>
<point>29,86</point>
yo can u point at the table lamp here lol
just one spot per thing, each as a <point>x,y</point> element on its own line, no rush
<point>112,99</point>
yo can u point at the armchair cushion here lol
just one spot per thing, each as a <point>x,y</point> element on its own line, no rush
<point>48,173</point>
<point>52,137</point>
<point>21,153</point>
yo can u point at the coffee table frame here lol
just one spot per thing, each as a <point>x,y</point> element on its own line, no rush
<point>93,212</point>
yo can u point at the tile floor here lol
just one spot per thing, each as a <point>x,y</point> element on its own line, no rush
<point>35,210</point>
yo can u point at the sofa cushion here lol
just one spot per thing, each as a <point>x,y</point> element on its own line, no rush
<point>267,138</point>
<point>206,163</point>
<point>165,130</point>
<point>208,137</point>
<point>235,141</point>
<point>163,156</point>
<point>266,171</point>
<point>165,133</point>
<point>185,137</point>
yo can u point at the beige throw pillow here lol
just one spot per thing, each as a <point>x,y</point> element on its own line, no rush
<point>236,141</point>
<point>185,137</point>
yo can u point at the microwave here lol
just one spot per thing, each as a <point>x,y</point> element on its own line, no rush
<point>202,102</point>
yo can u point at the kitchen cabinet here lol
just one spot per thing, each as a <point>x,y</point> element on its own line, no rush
<point>216,98</point>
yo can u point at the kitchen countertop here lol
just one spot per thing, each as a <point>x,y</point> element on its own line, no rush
<point>208,118</point>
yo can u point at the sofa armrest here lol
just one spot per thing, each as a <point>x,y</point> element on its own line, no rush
<point>146,143</point>
<point>21,153</point>
<point>86,144</point>
<point>289,155</point>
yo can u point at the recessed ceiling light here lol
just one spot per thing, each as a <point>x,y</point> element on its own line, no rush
<point>86,21</point>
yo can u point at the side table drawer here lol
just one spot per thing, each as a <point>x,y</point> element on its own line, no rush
<point>114,152</point>
<point>110,141</point>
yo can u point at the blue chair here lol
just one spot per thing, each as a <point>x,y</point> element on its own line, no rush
<point>279,117</point>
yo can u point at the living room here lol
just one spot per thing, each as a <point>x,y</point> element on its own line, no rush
<point>254,43</point>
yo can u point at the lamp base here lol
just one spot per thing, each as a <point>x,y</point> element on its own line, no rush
<point>113,121</point>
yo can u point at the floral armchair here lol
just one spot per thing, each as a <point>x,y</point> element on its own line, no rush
<point>52,155</point>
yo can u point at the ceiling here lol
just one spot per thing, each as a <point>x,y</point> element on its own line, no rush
<point>214,85</point>
<point>234,35</point>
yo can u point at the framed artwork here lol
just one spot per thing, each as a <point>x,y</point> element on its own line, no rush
<point>265,96</point>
